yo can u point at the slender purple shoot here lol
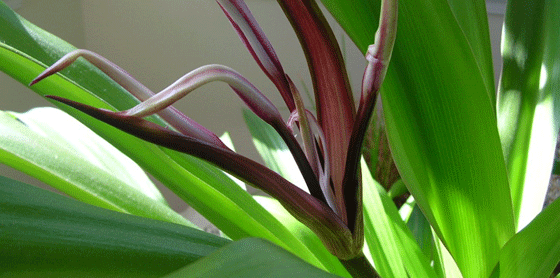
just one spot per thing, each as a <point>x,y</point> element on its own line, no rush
<point>258,45</point>
<point>378,56</point>
<point>173,116</point>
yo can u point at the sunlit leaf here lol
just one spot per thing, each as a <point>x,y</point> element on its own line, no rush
<point>393,248</point>
<point>55,148</point>
<point>25,50</point>
<point>528,109</point>
<point>273,150</point>
<point>535,250</point>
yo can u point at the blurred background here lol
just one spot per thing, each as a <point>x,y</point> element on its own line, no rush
<point>157,42</point>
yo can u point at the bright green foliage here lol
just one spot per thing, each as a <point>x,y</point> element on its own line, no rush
<point>442,130</point>
<point>55,148</point>
<point>439,108</point>
<point>535,250</point>
<point>273,150</point>
<point>391,243</point>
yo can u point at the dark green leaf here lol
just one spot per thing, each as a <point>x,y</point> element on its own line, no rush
<point>250,257</point>
<point>43,234</point>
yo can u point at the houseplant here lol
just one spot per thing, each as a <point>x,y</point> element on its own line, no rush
<point>444,138</point>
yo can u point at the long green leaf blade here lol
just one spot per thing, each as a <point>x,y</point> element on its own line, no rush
<point>473,20</point>
<point>393,248</point>
<point>442,130</point>
<point>535,250</point>
<point>528,109</point>
<point>250,257</point>
<point>67,131</point>
<point>43,234</point>
<point>40,144</point>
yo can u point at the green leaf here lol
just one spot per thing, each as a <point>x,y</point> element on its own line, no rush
<point>250,257</point>
<point>444,264</point>
<point>442,129</point>
<point>303,233</point>
<point>358,18</point>
<point>473,21</point>
<point>43,234</point>
<point>556,168</point>
<point>393,248</point>
<point>420,228</point>
<point>528,109</point>
<point>25,49</point>
<point>273,150</point>
<point>535,250</point>
<point>53,147</point>
<point>397,189</point>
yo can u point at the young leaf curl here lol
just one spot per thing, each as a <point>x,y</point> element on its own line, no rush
<point>258,45</point>
<point>171,115</point>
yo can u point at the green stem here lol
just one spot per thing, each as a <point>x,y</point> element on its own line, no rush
<point>360,267</point>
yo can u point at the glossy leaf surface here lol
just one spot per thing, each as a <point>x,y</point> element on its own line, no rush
<point>393,249</point>
<point>53,147</point>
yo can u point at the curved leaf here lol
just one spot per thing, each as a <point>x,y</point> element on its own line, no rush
<point>528,110</point>
<point>250,257</point>
<point>43,144</point>
<point>273,150</point>
<point>43,234</point>
<point>276,156</point>
<point>393,248</point>
<point>535,250</point>
<point>473,20</point>
<point>304,234</point>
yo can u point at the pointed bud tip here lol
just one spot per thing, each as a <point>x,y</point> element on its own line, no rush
<point>34,81</point>
<point>46,73</point>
